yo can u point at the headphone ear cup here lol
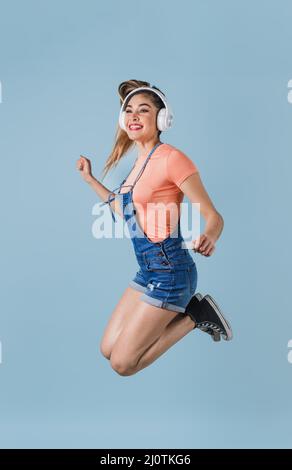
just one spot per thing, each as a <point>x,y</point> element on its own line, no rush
<point>161,119</point>
<point>164,119</point>
<point>122,120</point>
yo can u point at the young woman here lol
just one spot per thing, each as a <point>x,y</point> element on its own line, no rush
<point>159,307</point>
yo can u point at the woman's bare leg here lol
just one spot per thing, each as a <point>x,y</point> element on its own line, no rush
<point>125,308</point>
<point>150,332</point>
<point>174,331</point>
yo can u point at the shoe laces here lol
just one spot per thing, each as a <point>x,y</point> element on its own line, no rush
<point>215,335</point>
<point>211,325</point>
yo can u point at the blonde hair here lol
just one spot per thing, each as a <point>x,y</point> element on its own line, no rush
<point>122,143</point>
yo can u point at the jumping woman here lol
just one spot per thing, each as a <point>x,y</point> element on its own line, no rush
<point>159,306</point>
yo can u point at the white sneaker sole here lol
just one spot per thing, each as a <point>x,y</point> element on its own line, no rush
<point>224,321</point>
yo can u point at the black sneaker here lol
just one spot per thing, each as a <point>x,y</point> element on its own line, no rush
<point>191,308</point>
<point>208,317</point>
<point>215,335</point>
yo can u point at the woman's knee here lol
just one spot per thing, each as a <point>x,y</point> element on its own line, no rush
<point>122,364</point>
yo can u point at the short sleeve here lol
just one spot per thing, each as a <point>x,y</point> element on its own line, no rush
<point>179,166</point>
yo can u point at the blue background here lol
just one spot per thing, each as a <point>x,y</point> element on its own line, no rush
<point>224,66</point>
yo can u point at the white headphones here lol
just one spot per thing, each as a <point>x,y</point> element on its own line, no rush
<point>164,116</point>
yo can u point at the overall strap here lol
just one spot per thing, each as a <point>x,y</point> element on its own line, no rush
<point>145,163</point>
<point>110,199</point>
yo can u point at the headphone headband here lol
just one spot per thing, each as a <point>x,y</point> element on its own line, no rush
<point>146,88</point>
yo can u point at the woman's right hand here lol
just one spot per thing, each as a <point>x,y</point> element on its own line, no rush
<point>84,166</point>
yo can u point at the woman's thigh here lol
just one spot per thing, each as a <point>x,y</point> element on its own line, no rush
<point>145,326</point>
<point>122,313</point>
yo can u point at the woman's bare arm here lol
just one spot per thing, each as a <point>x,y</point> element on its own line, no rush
<point>103,192</point>
<point>194,189</point>
<point>83,164</point>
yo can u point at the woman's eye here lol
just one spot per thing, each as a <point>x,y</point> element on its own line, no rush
<point>142,110</point>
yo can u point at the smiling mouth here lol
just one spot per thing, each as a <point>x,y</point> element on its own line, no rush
<point>134,127</point>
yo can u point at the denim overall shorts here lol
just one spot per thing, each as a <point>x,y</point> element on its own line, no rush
<point>167,277</point>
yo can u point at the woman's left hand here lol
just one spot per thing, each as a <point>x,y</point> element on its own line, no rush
<point>204,244</point>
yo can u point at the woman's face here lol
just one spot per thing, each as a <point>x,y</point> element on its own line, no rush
<point>141,112</point>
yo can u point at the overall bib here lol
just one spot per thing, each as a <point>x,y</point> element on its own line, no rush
<point>167,276</point>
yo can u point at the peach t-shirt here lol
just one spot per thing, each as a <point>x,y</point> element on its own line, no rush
<point>156,195</point>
